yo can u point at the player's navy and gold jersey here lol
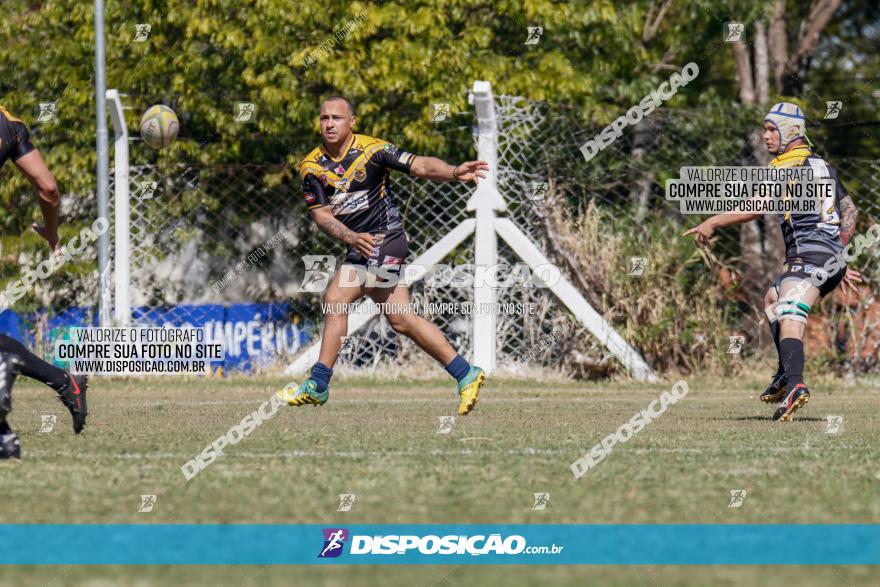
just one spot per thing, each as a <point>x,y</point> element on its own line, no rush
<point>356,185</point>
<point>812,233</point>
<point>14,138</point>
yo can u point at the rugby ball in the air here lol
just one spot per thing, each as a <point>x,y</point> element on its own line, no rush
<point>159,126</point>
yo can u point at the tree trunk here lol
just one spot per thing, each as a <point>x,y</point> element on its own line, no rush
<point>798,64</point>
<point>641,192</point>
<point>778,44</point>
<point>762,87</point>
<point>759,257</point>
<point>743,69</point>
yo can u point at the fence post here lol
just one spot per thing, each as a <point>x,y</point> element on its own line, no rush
<point>485,200</point>
<point>122,309</point>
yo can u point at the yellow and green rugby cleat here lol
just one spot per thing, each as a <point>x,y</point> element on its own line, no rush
<point>469,390</point>
<point>307,393</point>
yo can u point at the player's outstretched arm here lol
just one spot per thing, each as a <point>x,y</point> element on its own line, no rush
<point>438,170</point>
<point>363,242</point>
<point>33,166</point>
<point>704,231</point>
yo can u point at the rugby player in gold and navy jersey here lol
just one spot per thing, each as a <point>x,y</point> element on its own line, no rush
<point>815,263</point>
<point>15,359</point>
<point>346,187</point>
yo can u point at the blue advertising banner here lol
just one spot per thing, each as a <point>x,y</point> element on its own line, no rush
<point>551,544</point>
<point>253,335</point>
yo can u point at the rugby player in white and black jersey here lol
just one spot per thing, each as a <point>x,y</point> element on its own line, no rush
<point>814,261</point>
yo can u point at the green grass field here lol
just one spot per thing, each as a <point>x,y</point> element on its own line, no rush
<point>380,442</point>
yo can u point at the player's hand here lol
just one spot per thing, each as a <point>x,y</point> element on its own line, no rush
<point>703,233</point>
<point>50,236</point>
<point>850,279</point>
<point>364,244</point>
<point>471,171</point>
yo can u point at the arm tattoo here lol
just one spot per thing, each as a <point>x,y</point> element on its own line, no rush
<point>333,228</point>
<point>848,216</point>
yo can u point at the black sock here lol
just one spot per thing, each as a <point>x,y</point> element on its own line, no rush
<point>774,330</point>
<point>33,366</point>
<point>792,353</point>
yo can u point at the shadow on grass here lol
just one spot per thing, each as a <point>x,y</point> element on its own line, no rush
<point>767,419</point>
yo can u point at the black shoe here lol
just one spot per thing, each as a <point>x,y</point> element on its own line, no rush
<point>796,398</point>
<point>10,447</point>
<point>776,390</point>
<point>74,397</point>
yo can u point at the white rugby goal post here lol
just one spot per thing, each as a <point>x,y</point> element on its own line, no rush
<point>487,224</point>
<point>121,218</point>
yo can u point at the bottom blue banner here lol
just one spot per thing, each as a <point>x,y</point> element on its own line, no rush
<point>599,544</point>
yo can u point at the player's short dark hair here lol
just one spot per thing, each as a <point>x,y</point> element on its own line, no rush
<point>344,99</point>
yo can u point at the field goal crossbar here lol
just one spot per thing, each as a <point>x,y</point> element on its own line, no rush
<point>486,225</point>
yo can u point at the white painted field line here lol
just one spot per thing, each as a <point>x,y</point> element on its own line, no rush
<point>298,454</point>
<point>401,400</point>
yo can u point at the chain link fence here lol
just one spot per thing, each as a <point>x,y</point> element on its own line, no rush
<point>191,225</point>
<point>201,236</point>
<point>198,223</point>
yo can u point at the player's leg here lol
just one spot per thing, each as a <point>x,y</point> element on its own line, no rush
<point>71,389</point>
<point>778,383</point>
<point>10,448</point>
<point>430,339</point>
<point>425,334</point>
<point>33,366</point>
<point>346,287</point>
<point>796,297</point>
